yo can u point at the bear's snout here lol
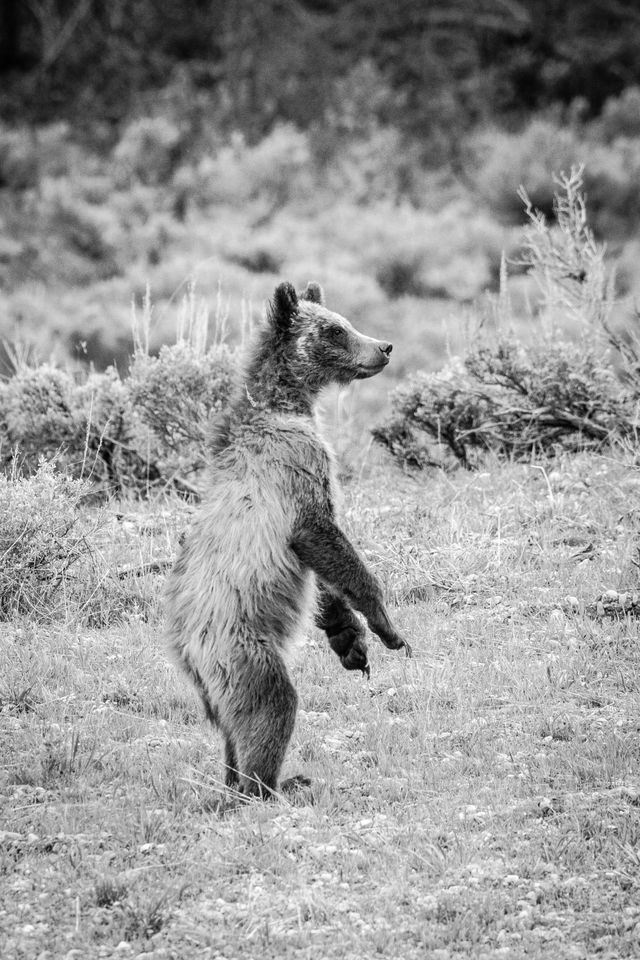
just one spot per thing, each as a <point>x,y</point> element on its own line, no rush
<point>386,348</point>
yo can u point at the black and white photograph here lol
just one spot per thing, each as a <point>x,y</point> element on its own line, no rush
<point>319,480</point>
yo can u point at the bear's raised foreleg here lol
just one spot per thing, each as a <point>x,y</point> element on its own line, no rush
<point>343,629</point>
<point>322,547</point>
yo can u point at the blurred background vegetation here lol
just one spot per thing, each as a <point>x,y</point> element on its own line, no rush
<point>377,148</point>
<point>443,64</point>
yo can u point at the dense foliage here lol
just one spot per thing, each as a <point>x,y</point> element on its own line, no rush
<point>517,397</point>
<point>444,62</point>
<point>375,147</point>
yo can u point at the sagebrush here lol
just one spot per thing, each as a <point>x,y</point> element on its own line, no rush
<point>519,399</point>
<point>42,540</point>
<point>124,433</point>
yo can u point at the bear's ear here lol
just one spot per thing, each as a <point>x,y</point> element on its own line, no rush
<point>314,293</point>
<point>283,306</point>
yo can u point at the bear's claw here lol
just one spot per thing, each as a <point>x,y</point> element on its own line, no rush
<point>356,658</point>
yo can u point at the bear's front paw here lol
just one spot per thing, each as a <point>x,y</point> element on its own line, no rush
<point>357,658</point>
<point>394,641</point>
<point>349,644</point>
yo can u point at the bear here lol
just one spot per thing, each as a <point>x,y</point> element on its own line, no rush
<point>242,591</point>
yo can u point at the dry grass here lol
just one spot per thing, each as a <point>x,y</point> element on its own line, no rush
<point>481,800</point>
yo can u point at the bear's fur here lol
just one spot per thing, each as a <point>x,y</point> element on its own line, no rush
<point>241,592</point>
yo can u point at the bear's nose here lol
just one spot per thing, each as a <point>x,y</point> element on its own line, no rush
<point>386,348</point>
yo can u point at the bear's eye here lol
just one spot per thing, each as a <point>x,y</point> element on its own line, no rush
<point>337,335</point>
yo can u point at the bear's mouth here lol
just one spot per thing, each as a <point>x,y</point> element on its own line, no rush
<point>365,370</point>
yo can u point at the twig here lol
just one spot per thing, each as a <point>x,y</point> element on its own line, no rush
<point>140,570</point>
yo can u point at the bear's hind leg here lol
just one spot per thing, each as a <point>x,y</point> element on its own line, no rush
<point>212,714</point>
<point>262,724</point>
<point>210,709</point>
<point>230,763</point>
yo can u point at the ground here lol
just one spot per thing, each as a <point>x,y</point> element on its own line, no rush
<point>479,800</point>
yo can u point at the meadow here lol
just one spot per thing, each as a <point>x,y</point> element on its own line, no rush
<point>479,800</point>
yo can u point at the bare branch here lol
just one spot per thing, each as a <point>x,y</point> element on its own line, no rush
<point>56,33</point>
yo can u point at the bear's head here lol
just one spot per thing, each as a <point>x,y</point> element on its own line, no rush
<point>319,345</point>
<point>302,348</point>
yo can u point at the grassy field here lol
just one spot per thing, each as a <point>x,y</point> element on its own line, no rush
<point>479,800</point>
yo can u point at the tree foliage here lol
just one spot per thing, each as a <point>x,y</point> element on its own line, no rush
<point>257,63</point>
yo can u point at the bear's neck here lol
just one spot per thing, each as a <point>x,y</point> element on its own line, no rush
<point>271,383</point>
<point>279,397</point>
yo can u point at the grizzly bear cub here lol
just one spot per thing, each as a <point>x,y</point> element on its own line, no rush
<point>242,589</point>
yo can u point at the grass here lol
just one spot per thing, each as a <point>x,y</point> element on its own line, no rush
<point>480,800</point>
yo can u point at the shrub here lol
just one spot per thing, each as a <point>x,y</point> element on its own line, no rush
<point>42,538</point>
<point>374,165</point>
<point>620,116</point>
<point>174,396</point>
<point>400,273</point>
<point>41,418</point>
<point>58,563</point>
<point>359,149</point>
<point>522,401</point>
<point>29,153</point>
<point>19,168</point>
<point>148,428</point>
<point>147,151</point>
<point>47,413</point>
<point>277,170</point>
<point>564,258</point>
<point>85,239</point>
<point>530,158</point>
<point>256,258</point>
<point>507,160</point>
<point>451,253</point>
<point>130,434</point>
<point>517,402</point>
<point>85,423</point>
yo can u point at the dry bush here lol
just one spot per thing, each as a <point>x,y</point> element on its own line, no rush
<point>84,422</point>
<point>174,395</point>
<point>42,539</point>
<point>131,434</point>
<point>84,240</point>
<point>60,559</point>
<point>521,401</point>
<point>277,170</point>
<point>451,253</point>
<point>620,116</point>
<point>147,151</point>
<point>530,157</point>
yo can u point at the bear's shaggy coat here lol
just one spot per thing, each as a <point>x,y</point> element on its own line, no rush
<point>242,590</point>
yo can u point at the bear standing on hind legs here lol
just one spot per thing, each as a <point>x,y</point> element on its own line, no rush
<point>241,592</point>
